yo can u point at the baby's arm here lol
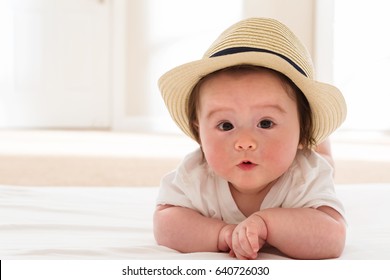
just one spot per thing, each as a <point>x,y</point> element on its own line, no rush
<point>186,230</point>
<point>303,233</point>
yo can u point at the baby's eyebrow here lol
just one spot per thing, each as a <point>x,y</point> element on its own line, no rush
<point>217,110</point>
<point>275,107</point>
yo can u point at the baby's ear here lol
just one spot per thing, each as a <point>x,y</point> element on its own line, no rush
<point>195,130</point>
<point>195,127</point>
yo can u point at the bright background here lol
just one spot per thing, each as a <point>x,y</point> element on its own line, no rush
<point>78,83</point>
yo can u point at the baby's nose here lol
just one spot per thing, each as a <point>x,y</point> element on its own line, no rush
<point>245,143</point>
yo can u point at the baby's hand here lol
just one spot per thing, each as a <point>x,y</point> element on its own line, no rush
<point>249,237</point>
<point>225,238</point>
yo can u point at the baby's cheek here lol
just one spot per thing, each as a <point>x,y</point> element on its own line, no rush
<point>280,159</point>
<point>217,162</point>
<point>214,161</point>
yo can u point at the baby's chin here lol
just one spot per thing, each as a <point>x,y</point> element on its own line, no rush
<point>249,187</point>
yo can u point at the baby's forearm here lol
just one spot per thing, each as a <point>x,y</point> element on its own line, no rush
<point>305,233</point>
<point>186,230</point>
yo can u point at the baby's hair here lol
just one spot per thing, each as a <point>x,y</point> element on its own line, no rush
<point>306,139</point>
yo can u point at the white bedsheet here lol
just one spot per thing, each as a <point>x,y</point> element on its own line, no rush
<point>116,223</point>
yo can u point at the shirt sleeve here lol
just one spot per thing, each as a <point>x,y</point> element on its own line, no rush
<point>186,185</point>
<point>309,183</point>
<point>194,186</point>
<point>172,193</point>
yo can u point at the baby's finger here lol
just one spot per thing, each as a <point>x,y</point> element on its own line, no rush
<point>253,240</point>
<point>241,244</point>
<point>241,257</point>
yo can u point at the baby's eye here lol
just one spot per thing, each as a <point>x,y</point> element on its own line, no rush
<point>225,126</point>
<point>265,124</point>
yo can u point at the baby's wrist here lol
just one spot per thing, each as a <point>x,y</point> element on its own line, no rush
<point>263,224</point>
<point>224,234</point>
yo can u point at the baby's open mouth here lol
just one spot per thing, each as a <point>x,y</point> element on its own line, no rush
<point>246,165</point>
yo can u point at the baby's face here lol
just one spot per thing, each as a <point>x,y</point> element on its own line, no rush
<point>248,127</point>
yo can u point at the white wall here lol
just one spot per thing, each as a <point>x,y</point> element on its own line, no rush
<point>298,15</point>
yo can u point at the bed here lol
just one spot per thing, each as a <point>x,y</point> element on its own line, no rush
<point>116,223</point>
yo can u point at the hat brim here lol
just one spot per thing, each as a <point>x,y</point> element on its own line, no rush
<point>326,101</point>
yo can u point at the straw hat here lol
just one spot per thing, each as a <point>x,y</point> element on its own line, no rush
<point>262,42</point>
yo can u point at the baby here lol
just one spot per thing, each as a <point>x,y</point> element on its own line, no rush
<point>258,115</point>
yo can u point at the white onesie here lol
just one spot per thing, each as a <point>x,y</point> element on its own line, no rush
<point>307,183</point>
